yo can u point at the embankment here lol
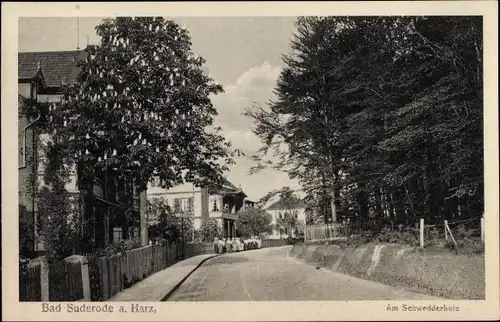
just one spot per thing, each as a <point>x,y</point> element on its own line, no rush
<point>440,274</point>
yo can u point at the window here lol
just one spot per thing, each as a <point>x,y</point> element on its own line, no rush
<point>215,207</point>
<point>280,215</point>
<point>191,204</point>
<point>117,234</point>
<point>184,205</point>
<point>286,230</point>
<point>156,182</point>
<point>33,90</point>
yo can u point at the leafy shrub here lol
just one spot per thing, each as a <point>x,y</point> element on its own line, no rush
<point>396,237</point>
<point>95,279</point>
<point>121,247</point>
<point>292,241</point>
<point>209,230</point>
<point>467,245</point>
<point>26,231</point>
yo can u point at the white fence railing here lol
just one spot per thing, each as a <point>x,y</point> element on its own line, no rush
<point>326,232</point>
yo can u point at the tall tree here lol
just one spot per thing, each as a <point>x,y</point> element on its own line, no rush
<point>141,108</point>
<point>381,117</point>
<point>253,221</point>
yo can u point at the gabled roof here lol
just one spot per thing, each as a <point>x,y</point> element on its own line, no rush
<point>293,203</point>
<point>21,99</point>
<point>227,188</point>
<point>58,66</point>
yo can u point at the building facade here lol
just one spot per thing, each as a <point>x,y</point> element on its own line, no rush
<point>201,204</point>
<point>279,210</point>
<point>40,79</point>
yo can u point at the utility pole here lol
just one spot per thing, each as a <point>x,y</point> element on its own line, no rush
<point>182,234</point>
<point>77,33</point>
<point>143,219</point>
<point>192,212</point>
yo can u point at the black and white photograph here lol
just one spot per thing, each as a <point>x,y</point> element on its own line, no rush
<point>226,159</point>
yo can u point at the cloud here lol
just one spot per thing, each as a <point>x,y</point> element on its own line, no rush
<point>244,140</point>
<point>253,87</point>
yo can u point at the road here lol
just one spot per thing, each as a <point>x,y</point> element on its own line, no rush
<point>272,275</point>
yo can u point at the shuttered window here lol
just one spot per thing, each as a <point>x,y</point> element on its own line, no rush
<point>177,204</point>
<point>191,204</point>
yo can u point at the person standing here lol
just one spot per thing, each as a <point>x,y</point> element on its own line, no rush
<point>233,245</point>
<point>216,245</point>
<point>221,245</point>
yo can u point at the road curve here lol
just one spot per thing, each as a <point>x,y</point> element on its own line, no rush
<point>270,274</point>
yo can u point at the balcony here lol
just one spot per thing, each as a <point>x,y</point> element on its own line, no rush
<point>226,213</point>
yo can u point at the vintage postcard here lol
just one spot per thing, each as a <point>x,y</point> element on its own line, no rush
<point>245,161</point>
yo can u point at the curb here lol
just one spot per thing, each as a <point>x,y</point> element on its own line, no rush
<point>176,287</point>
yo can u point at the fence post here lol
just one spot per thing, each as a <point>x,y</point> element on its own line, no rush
<point>445,230</point>
<point>44,278</point>
<point>84,263</point>
<point>421,232</point>
<point>482,228</point>
<point>452,238</point>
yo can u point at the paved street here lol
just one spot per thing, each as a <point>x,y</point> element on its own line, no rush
<point>271,275</point>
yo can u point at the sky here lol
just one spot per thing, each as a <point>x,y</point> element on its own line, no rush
<point>243,54</point>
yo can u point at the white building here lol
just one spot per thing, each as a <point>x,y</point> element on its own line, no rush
<point>200,204</point>
<point>279,209</point>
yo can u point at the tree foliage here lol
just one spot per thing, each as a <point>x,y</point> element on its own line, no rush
<point>141,107</point>
<point>26,232</point>
<point>209,230</point>
<point>380,118</point>
<point>253,221</point>
<point>59,220</point>
<point>165,225</point>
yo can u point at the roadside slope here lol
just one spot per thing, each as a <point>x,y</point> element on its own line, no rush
<point>445,275</point>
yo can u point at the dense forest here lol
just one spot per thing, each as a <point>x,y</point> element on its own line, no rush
<point>380,118</point>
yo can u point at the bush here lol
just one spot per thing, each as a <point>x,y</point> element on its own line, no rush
<point>121,247</point>
<point>293,241</point>
<point>59,225</point>
<point>95,279</point>
<point>396,237</point>
<point>26,232</point>
<point>467,245</point>
<point>208,231</point>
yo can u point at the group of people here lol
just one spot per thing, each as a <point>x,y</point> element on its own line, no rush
<point>228,245</point>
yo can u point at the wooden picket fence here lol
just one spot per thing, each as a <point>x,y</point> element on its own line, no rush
<point>325,232</point>
<point>30,283</point>
<point>111,275</point>
<point>107,275</point>
<point>65,281</point>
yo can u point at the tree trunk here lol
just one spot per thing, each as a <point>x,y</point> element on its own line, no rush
<point>143,221</point>
<point>362,203</point>
<point>86,242</point>
<point>378,208</point>
<point>337,213</point>
<point>399,208</point>
<point>390,210</point>
<point>333,208</point>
